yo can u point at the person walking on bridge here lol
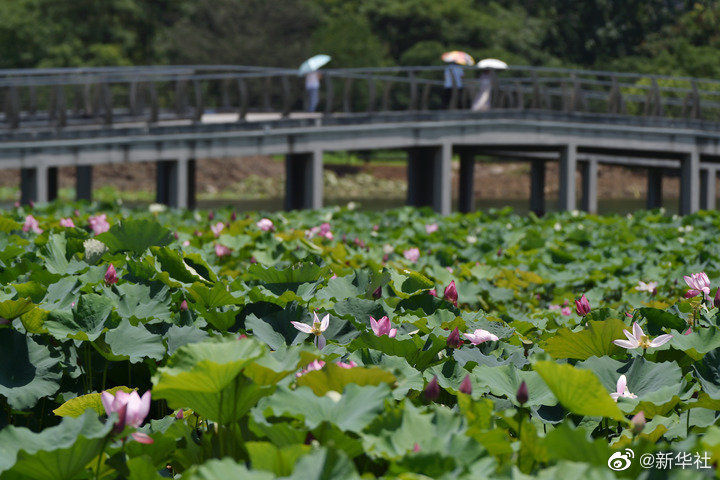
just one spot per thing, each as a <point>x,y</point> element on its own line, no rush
<point>312,89</point>
<point>453,82</point>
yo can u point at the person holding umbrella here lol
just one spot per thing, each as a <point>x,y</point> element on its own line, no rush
<point>483,99</point>
<point>454,74</point>
<point>309,69</point>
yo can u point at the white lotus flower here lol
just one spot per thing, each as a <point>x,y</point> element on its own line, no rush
<point>317,328</point>
<point>638,339</point>
<point>622,390</point>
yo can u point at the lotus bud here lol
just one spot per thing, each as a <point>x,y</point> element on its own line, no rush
<point>180,414</point>
<point>638,422</point>
<point>582,306</point>
<point>432,390</point>
<point>522,393</point>
<point>211,215</point>
<point>466,385</point>
<point>453,340</point>
<point>377,293</point>
<point>451,294</point>
<point>716,300</point>
<point>233,216</point>
<point>94,250</point>
<point>416,447</point>
<point>433,292</point>
<point>175,234</point>
<point>184,306</point>
<point>110,275</point>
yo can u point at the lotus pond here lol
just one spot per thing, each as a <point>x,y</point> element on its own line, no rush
<point>340,344</point>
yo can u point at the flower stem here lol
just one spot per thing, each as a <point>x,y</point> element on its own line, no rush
<point>102,452</point>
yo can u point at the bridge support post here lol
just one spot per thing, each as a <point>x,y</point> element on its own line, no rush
<point>589,173</point>
<point>466,199</point>
<point>38,184</point>
<point>654,188</point>
<point>708,179</point>
<point>176,183</point>
<point>690,183</point>
<point>304,180</point>
<point>568,166</point>
<point>537,187</point>
<point>429,177</point>
<point>83,182</point>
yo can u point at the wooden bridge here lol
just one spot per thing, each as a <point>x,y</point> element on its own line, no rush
<point>176,116</point>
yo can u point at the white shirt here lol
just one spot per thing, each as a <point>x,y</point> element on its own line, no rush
<point>312,80</point>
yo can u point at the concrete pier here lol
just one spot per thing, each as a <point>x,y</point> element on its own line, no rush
<point>568,166</point>
<point>83,182</point>
<point>708,180</point>
<point>690,183</point>
<point>589,173</point>
<point>654,188</point>
<point>303,180</point>
<point>176,183</point>
<point>537,187</point>
<point>466,197</point>
<point>429,177</point>
<point>38,184</point>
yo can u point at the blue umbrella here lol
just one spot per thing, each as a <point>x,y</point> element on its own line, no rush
<point>313,63</point>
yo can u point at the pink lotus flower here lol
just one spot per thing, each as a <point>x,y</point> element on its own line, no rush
<point>451,294</point>
<point>431,228</point>
<point>217,228</point>
<point>432,292</point>
<point>319,364</point>
<point>317,329</point>
<point>131,409</point>
<point>111,275</point>
<point>638,339</point>
<point>582,306</point>
<point>566,311</point>
<point>382,327</point>
<point>265,224</point>
<point>221,250</point>
<point>622,390</point>
<point>698,283</point>
<point>480,336</point>
<point>31,224</point>
<point>99,224</point>
<point>412,254</point>
<point>67,222</point>
<point>553,307</point>
<point>649,287</point>
<point>323,231</point>
<point>466,385</point>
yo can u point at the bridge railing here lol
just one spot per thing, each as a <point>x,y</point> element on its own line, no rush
<point>62,98</point>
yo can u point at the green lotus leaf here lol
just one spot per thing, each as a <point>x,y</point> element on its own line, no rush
<point>278,460</point>
<point>580,391</point>
<point>32,372</point>
<point>351,411</point>
<point>11,309</point>
<point>135,343</point>
<point>135,235</point>
<point>207,378</point>
<point>57,453</point>
<point>406,282</point>
<point>225,469</point>
<point>324,464</point>
<point>505,381</point>
<point>658,319</point>
<point>594,341</point>
<point>696,344</point>
<point>418,352</point>
<point>86,322</point>
<point>334,378</point>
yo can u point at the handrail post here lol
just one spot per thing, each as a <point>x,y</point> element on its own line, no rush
<point>267,101</point>
<point>287,97</point>
<point>371,94</point>
<point>107,103</point>
<point>154,107</point>
<point>328,94</point>
<point>242,99</point>
<point>12,107</point>
<point>386,96</point>
<point>199,102</point>
<point>347,91</point>
<point>412,105</point>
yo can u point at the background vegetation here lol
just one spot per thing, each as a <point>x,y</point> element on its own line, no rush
<point>665,36</point>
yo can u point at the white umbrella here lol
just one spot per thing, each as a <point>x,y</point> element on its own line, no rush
<point>313,63</point>
<point>492,63</point>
